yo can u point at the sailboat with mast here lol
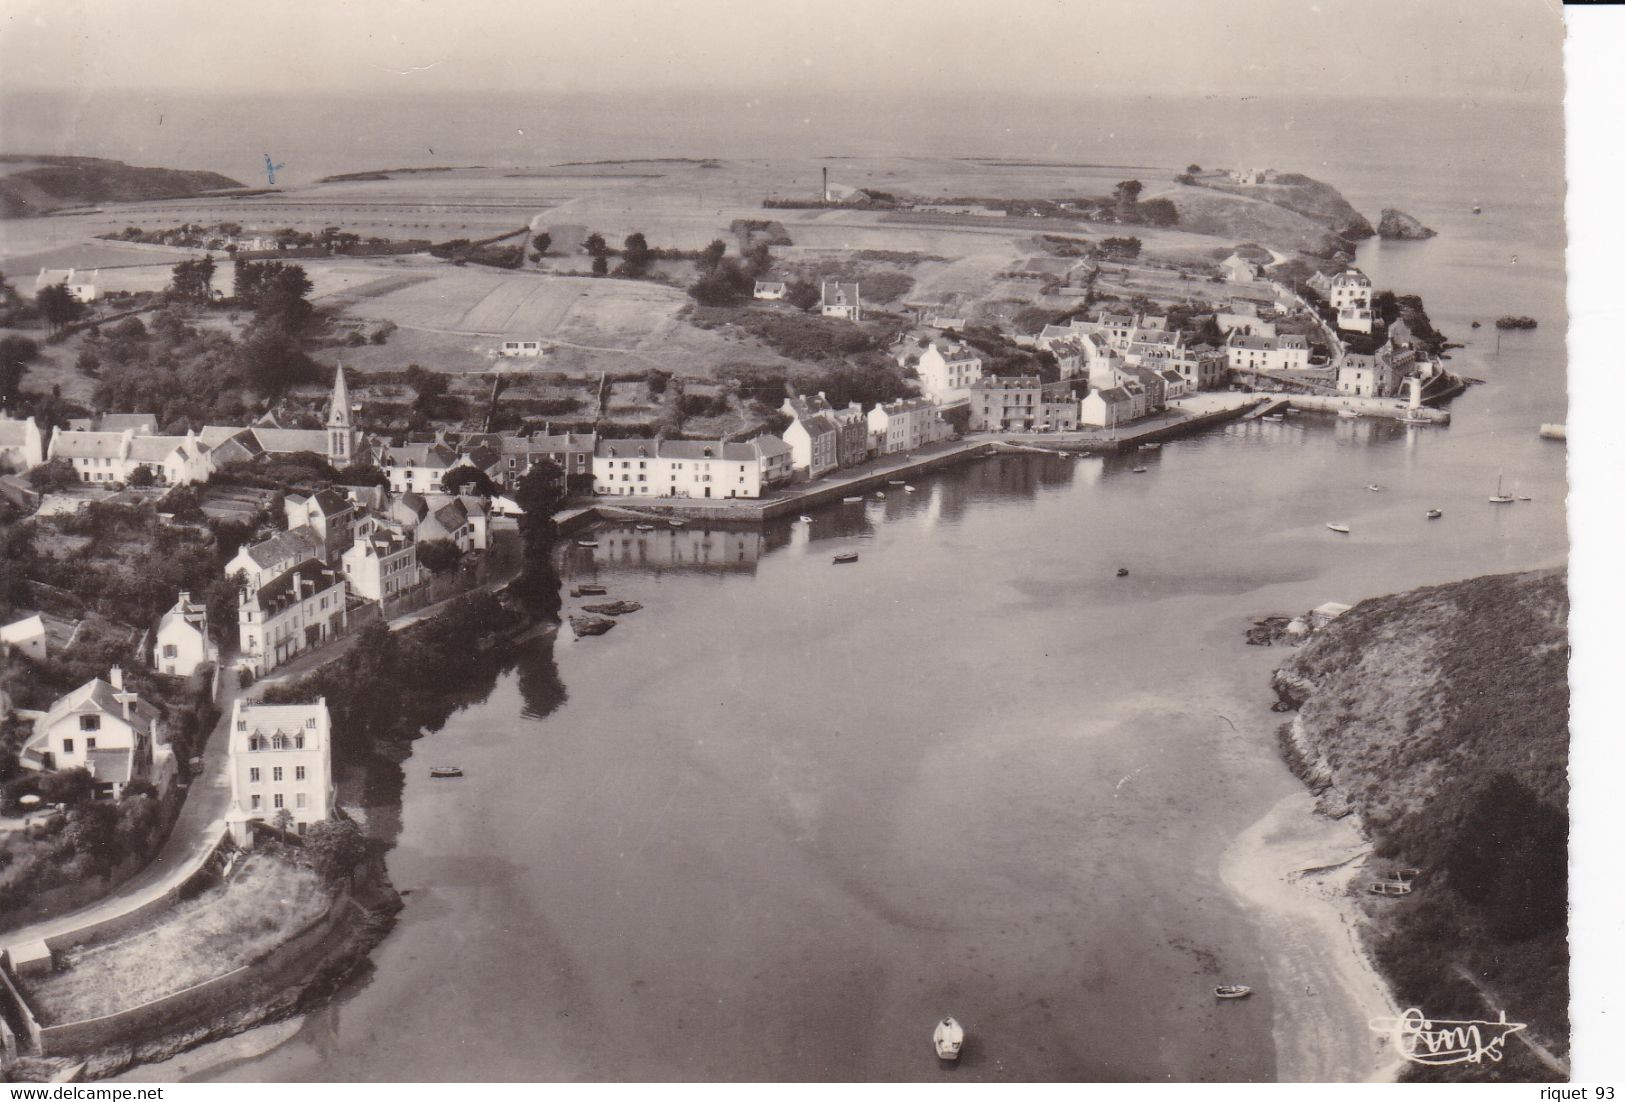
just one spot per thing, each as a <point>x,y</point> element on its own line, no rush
<point>1501,497</point>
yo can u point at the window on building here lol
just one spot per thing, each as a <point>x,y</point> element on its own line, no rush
<point>67,746</point>
<point>254,802</point>
<point>90,723</point>
<point>276,773</point>
<point>276,800</point>
<point>298,772</point>
<point>254,775</point>
<point>299,801</point>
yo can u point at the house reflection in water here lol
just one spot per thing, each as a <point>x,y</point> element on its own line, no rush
<point>667,548</point>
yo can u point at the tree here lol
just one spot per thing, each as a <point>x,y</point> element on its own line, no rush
<point>1127,193</point>
<point>58,306</point>
<point>469,480</point>
<point>282,820</point>
<point>336,849</point>
<point>540,494</point>
<point>58,474</point>
<point>362,474</point>
<point>541,243</point>
<point>595,245</point>
<point>600,265</point>
<point>438,556</point>
<point>635,256</point>
<point>142,476</point>
<point>15,354</point>
<point>1193,169</point>
<point>66,786</point>
<point>193,279</point>
<point>711,256</point>
<point>802,295</point>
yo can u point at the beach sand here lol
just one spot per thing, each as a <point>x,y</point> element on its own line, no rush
<point>1291,871</point>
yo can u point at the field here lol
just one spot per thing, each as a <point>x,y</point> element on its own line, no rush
<point>454,318</point>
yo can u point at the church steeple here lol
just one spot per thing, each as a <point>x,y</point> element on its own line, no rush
<point>340,431</point>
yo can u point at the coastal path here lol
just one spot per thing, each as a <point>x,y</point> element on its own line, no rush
<point>1538,1050</point>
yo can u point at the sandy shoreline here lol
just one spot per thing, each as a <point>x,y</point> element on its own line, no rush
<point>1289,871</point>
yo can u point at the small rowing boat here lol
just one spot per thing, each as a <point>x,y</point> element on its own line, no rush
<point>1373,487</point>
<point>1122,571</point>
<point>880,495</point>
<point>445,771</point>
<point>894,482</point>
<point>846,557</point>
<point>1343,528</point>
<point>1435,514</point>
<point>589,589</point>
<point>805,519</point>
<point>677,523</point>
<point>646,528</point>
<point>908,489</point>
<point>1139,470</point>
<point>1232,991</point>
<point>586,543</point>
<point>948,1039</point>
<point>852,500</point>
<point>1347,414</point>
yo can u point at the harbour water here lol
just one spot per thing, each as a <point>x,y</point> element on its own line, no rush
<point>780,821</point>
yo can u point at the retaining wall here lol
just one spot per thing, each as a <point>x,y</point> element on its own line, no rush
<point>197,1004</point>
<point>16,1007</point>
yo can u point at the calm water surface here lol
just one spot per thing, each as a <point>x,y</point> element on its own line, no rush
<point>777,823</point>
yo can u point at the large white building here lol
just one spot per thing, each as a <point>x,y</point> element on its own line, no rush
<point>281,759</point>
<point>1288,352</point>
<point>1350,295</point>
<point>295,612</point>
<point>812,436</point>
<point>112,457</point>
<point>948,369</point>
<point>906,424</point>
<point>381,565</point>
<point>181,643</point>
<point>690,468</point>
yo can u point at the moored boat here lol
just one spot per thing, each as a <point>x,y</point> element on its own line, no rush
<point>909,489</point>
<point>589,589</point>
<point>846,557</point>
<point>445,771</point>
<point>880,495</point>
<point>586,543</point>
<point>1139,470</point>
<point>646,528</point>
<point>805,519</point>
<point>894,482</point>
<point>1343,528</point>
<point>948,1039</point>
<point>1122,571</point>
<point>1373,487</point>
<point>1501,497</point>
<point>855,500</point>
<point>1435,514</point>
<point>1232,991</point>
<point>1347,414</point>
<point>677,523</point>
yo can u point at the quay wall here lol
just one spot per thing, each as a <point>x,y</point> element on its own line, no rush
<point>1368,407</point>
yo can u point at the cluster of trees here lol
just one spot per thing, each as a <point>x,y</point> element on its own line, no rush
<point>724,281</point>
<point>193,280</point>
<point>16,353</point>
<point>1152,212</point>
<point>276,291</point>
<point>84,843</point>
<point>540,494</point>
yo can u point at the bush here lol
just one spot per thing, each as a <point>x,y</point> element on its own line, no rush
<point>438,556</point>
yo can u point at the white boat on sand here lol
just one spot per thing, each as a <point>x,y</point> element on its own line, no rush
<point>949,1038</point>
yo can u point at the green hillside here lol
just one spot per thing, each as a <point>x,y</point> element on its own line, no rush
<point>34,185</point>
<point>1440,718</point>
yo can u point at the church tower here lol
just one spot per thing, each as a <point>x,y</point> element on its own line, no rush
<point>340,431</point>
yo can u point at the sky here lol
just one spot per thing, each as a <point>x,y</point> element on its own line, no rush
<point>1497,48</point>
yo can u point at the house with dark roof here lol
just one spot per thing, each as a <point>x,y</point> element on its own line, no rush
<point>1107,408</point>
<point>690,468</point>
<point>276,555</point>
<point>842,300</point>
<point>812,435</point>
<point>298,610</point>
<point>113,734</point>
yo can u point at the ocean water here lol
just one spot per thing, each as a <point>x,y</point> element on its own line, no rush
<point>779,822</point>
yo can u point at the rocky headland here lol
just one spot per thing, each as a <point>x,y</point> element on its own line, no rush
<point>1396,225</point>
<point>1437,721</point>
<point>33,184</point>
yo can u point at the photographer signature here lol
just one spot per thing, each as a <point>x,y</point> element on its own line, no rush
<point>1435,1042</point>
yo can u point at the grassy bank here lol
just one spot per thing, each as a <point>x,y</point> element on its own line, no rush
<point>1440,719</point>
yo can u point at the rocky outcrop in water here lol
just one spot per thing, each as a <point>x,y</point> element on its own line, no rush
<point>1396,225</point>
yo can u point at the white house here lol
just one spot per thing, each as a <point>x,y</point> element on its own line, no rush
<point>112,457</point>
<point>1237,270</point>
<point>1368,376</point>
<point>419,468</point>
<point>948,369</point>
<point>381,565</point>
<point>295,612</point>
<point>770,292</point>
<point>280,759</point>
<point>525,349</point>
<point>182,642</point>
<point>1106,408</point>
<point>99,727</point>
<point>1288,352</point>
<point>80,286</point>
<point>27,635</point>
<point>1349,293</point>
<point>21,446</point>
<point>275,555</point>
<point>906,424</point>
<point>842,300</point>
<point>690,468</point>
<point>812,436</point>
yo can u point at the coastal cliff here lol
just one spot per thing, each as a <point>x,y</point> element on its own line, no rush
<point>1287,211</point>
<point>32,185</point>
<point>1396,225</point>
<point>1438,719</point>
